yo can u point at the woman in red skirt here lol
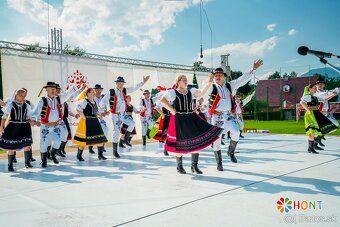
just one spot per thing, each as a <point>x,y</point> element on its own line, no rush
<point>187,132</point>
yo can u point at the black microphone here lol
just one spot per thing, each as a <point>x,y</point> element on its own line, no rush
<point>303,50</point>
<point>201,56</point>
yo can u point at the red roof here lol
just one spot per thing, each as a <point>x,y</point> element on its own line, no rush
<point>288,95</point>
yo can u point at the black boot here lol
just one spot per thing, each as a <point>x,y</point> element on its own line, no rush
<point>126,138</point>
<point>31,156</point>
<point>91,151</point>
<point>180,168</point>
<point>228,135</point>
<point>144,140</point>
<point>49,152</point>
<point>194,162</point>
<point>15,157</point>
<point>44,159</point>
<point>59,152</point>
<point>318,140</point>
<point>54,155</point>
<point>241,134</point>
<point>79,155</point>
<point>231,151</point>
<point>223,136</point>
<point>10,163</point>
<point>63,145</point>
<point>27,159</point>
<point>165,152</point>
<point>218,157</point>
<point>148,133</point>
<point>104,149</point>
<point>316,147</point>
<point>130,138</point>
<point>222,143</point>
<point>115,150</point>
<point>323,137</point>
<point>100,153</point>
<point>311,147</point>
<point>121,143</point>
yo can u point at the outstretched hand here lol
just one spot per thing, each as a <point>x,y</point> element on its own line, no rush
<point>146,78</point>
<point>257,64</point>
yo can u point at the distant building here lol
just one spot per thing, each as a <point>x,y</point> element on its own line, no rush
<point>288,85</point>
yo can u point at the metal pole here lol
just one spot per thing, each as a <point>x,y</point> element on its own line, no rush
<point>295,100</point>
<point>267,103</point>
<point>281,113</point>
<point>61,41</point>
<point>255,115</point>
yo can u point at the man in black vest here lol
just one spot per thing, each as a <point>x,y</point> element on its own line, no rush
<point>222,108</point>
<point>115,99</point>
<point>146,109</point>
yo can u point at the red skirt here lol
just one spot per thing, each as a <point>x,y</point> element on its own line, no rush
<point>189,132</point>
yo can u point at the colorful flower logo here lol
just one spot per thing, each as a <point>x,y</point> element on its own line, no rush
<point>284,205</point>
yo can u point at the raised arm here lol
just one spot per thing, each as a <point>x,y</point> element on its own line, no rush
<point>201,92</point>
<point>138,86</point>
<point>104,102</point>
<point>247,100</point>
<point>242,80</point>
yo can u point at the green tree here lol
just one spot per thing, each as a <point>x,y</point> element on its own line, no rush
<point>275,75</point>
<point>198,65</point>
<point>77,51</point>
<point>33,47</point>
<point>194,81</point>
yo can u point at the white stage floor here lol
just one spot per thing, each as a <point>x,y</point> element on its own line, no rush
<point>144,189</point>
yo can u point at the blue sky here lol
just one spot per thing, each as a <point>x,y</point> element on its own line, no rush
<point>168,31</point>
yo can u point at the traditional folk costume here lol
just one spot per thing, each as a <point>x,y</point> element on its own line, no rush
<point>17,134</point>
<point>315,122</point>
<point>102,121</point>
<point>116,101</point>
<point>146,108</point>
<point>32,107</point>
<point>65,129</point>
<point>130,109</point>
<point>187,132</point>
<point>324,108</point>
<point>162,133</point>
<point>239,111</point>
<point>49,112</point>
<point>221,109</point>
<point>89,131</point>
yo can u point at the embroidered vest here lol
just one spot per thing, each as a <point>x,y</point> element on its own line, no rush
<point>142,114</point>
<point>215,98</point>
<point>113,100</point>
<point>46,109</point>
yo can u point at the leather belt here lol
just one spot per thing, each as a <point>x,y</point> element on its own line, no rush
<point>51,123</point>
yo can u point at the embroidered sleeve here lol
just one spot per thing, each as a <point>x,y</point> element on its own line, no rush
<point>81,105</point>
<point>306,98</point>
<point>7,110</point>
<point>170,95</point>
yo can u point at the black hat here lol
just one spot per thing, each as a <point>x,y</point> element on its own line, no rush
<point>120,79</point>
<point>219,71</point>
<point>57,86</point>
<point>50,84</point>
<point>320,81</point>
<point>146,92</point>
<point>98,86</point>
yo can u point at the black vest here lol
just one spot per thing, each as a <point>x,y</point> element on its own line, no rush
<point>19,112</point>
<point>183,103</point>
<point>314,101</point>
<point>91,109</point>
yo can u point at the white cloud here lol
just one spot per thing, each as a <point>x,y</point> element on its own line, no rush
<point>292,32</point>
<point>242,55</point>
<point>113,25</point>
<point>32,39</point>
<point>292,60</point>
<point>271,27</point>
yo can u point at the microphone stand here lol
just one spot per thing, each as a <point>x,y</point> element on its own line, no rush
<point>324,61</point>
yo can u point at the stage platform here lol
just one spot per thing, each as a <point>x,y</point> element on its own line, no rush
<point>143,188</point>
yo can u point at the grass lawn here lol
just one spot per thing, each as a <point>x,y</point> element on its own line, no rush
<point>280,127</point>
<point>2,152</point>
